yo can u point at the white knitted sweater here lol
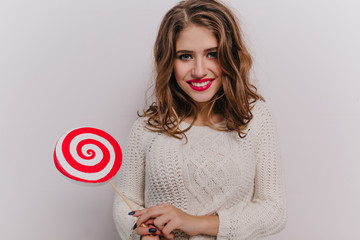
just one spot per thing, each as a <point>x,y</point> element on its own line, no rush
<point>215,172</point>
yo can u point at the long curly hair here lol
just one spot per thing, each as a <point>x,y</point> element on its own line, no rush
<point>236,95</point>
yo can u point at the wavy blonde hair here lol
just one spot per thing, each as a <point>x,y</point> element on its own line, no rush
<point>233,100</point>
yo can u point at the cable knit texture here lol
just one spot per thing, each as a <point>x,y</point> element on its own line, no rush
<point>215,172</point>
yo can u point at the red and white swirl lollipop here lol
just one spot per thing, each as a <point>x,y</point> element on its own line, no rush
<point>88,155</point>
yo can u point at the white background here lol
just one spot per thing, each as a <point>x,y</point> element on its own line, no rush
<point>70,63</point>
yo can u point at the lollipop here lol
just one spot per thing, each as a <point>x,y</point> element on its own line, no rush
<point>88,155</point>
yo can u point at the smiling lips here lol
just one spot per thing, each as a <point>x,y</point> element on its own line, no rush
<point>200,84</point>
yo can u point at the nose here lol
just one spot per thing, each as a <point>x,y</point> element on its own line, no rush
<point>199,70</point>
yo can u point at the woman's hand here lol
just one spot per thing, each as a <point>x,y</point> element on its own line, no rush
<point>150,237</point>
<point>148,230</point>
<point>168,218</point>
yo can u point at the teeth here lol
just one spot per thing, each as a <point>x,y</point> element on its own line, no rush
<point>200,84</point>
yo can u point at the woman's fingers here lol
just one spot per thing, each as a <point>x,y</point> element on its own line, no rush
<point>161,221</point>
<point>148,230</point>
<point>167,230</point>
<point>151,212</point>
<point>145,227</point>
<point>150,237</point>
<point>138,213</point>
<point>150,223</point>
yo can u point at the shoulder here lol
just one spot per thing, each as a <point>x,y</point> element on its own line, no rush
<point>262,113</point>
<point>139,135</point>
<point>141,130</point>
<point>260,108</point>
<point>139,124</point>
<point>138,128</point>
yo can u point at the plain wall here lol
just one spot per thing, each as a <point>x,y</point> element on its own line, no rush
<point>65,64</point>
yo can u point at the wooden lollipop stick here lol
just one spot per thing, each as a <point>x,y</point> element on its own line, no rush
<point>122,196</point>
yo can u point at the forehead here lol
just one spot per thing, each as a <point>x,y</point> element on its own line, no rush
<point>195,38</point>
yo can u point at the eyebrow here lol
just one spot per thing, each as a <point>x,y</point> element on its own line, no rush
<point>188,51</point>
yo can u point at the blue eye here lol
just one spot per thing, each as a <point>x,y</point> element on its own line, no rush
<point>212,55</point>
<point>185,56</point>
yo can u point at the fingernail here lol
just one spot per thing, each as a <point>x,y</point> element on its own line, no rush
<point>131,213</point>
<point>152,230</point>
<point>135,226</point>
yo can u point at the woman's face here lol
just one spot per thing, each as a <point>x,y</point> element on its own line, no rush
<point>196,67</point>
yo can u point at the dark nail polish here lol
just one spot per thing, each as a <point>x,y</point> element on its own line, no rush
<point>131,213</point>
<point>135,226</point>
<point>152,230</point>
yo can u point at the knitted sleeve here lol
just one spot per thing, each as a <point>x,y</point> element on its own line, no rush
<point>266,213</point>
<point>130,182</point>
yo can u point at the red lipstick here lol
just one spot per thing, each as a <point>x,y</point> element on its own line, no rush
<point>200,84</point>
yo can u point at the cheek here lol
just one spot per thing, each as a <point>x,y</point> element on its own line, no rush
<point>179,72</point>
<point>217,69</point>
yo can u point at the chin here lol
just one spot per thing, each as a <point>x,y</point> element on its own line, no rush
<point>201,100</point>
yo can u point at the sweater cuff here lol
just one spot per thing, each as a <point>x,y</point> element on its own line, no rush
<point>224,225</point>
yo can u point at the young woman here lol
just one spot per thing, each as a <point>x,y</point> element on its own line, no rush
<point>203,161</point>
